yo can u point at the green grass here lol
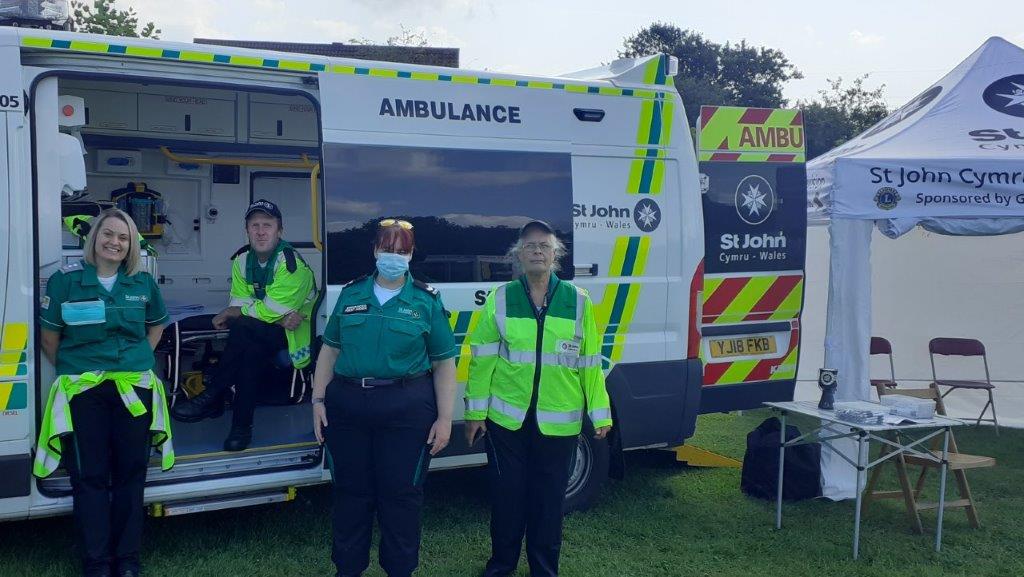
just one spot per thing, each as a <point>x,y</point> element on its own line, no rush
<point>663,519</point>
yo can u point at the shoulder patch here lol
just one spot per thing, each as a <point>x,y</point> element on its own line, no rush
<point>242,250</point>
<point>425,287</point>
<point>355,280</point>
<point>71,267</point>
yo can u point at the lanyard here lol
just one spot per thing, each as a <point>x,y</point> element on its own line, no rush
<point>538,311</point>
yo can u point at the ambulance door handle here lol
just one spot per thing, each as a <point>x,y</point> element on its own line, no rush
<point>585,269</point>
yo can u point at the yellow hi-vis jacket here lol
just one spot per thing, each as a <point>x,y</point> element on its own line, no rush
<point>558,356</point>
<point>57,417</point>
<point>289,286</point>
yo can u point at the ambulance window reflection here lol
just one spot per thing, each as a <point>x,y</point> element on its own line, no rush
<point>466,206</point>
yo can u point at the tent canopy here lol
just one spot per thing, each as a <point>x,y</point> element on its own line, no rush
<point>952,161</point>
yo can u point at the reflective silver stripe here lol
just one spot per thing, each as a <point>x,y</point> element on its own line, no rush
<point>500,310</point>
<point>564,417</point>
<point>276,306</point>
<point>488,350</point>
<point>476,404</point>
<point>237,302</point>
<point>589,361</point>
<point>600,414</point>
<point>516,356</point>
<point>507,409</point>
<point>580,302</point>
<point>549,359</point>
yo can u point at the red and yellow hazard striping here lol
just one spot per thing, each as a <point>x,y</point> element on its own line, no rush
<point>738,299</point>
<point>752,371</point>
<point>733,133</point>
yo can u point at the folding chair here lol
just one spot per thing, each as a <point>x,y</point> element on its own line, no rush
<point>964,348</point>
<point>881,346</point>
<point>958,464</point>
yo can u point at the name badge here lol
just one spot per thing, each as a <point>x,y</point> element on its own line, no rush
<point>355,309</point>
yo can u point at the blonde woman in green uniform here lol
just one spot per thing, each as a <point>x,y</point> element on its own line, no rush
<point>100,319</point>
<point>383,395</point>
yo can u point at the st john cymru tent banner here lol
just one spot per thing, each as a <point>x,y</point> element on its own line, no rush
<point>880,189</point>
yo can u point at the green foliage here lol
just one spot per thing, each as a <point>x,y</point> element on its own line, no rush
<point>716,74</point>
<point>101,17</point>
<point>840,113</point>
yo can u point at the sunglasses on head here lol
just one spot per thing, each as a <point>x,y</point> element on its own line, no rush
<point>395,222</point>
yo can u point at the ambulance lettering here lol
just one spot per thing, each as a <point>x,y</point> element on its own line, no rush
<point>441,110</point>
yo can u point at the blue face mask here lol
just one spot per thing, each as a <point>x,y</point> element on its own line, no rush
<point>392,266</point>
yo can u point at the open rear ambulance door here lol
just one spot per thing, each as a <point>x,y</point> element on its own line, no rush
<point>15,289</point>
<point>466,160</point>
<point>753,180</point>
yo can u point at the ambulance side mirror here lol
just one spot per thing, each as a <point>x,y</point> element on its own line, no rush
<point>72,164</point>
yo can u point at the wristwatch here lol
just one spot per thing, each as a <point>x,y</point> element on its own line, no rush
<point>318,400</point>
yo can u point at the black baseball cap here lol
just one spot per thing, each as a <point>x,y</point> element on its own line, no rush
<point>263,205</point>
<point>536,225</point>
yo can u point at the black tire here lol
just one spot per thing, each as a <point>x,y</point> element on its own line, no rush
<point>589,471</point>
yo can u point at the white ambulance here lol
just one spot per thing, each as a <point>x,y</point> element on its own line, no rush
<point>190,134</point>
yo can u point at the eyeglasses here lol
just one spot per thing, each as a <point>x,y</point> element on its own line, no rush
<point>541,246</point>
<point>395,222</point>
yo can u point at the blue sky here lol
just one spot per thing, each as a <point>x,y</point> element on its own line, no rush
<point>905,45</point>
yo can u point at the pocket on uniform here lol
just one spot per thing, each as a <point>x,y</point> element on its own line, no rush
<point>134,321</point>
<point>350,325</point>
<point>85,320</point>
<point>407,336</point>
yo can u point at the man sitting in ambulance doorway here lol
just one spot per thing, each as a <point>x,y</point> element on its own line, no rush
<point>268,317</point>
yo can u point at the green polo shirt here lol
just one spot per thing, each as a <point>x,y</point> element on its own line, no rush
<point>400,338</point>
<point>110,335</point>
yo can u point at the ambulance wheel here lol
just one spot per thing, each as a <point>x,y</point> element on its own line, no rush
<point>589,469</point>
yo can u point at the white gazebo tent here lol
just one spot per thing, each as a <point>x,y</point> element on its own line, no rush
<point>951,161</point>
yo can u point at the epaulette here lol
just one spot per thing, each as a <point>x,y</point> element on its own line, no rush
<point>242,250</point>
<point>425,287</point>
<point>289,259</point>
<point>355,280</point>
<point>71,267</point>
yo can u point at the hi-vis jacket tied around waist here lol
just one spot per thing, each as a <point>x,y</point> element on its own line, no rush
<point>57,417</point>
<point>285,285</point>
<point>509,344</point>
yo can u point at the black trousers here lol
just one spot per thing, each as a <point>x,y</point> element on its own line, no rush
<point>377,444</point>
<point>246,362</point>
<point>529,473</point>
<point>107,462</point>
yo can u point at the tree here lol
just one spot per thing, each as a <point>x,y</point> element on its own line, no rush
<point>711,73</point>
<point>840,113</point>
<point>406,37</point>
<point>103,18</point>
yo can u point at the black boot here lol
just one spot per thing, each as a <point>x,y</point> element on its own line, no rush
<point>206,405</point>
<point>239,438</point>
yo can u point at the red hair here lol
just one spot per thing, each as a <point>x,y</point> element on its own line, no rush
<point>394,238</point>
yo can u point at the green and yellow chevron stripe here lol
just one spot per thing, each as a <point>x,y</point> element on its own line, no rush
<point>647,170</point>
<point>13,345</point>
<point>618,303</point>
<point>13,396</point>
<point>463,323</point>
<point>307,66</point>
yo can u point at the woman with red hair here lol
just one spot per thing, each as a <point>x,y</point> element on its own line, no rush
<point>383,395</point>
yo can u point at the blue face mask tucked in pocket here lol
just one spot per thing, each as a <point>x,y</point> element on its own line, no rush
<point>84,313</point>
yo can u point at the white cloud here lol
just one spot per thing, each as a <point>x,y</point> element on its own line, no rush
<point>336,30</point>
<point>865,39</point>
<point>468,219</point>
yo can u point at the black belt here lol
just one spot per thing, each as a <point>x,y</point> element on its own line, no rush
<point>372,382</point>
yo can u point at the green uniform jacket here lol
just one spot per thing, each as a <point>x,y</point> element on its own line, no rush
<point>506,351</point>
<point>101,330</point>
<point>399,338</point>
<point>285,285</point>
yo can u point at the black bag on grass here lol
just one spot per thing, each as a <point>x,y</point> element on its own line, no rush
<point>760,474</point>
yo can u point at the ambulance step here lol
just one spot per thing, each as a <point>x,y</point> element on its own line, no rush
<point>220,503</point>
